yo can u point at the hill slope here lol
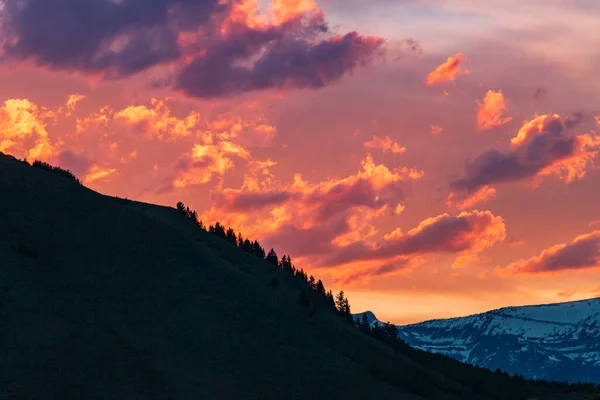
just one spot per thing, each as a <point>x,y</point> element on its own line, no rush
<point>105,299</point>
<point>553,341</point>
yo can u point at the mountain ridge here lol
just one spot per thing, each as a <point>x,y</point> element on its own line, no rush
<point>558,339</point>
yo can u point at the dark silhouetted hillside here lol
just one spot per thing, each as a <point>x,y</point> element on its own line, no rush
<point>104,298</point>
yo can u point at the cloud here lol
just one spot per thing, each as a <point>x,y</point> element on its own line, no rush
<point>582,253</point>
<point>481,195</point>
<point>543,146</point>
<point>97,173</point>
<point>158,121</point>
<point>490,113</point>
<point>365,273</point>
<point>333,212</point>
<point>73,100</point>
<point>373,186</point>
<point>466,234</point>
<point>23,129</point>
<point>206,161</point>
<point>76,163</point>
<point>385,144</point>
<point>435,130</point>
<point>212,48</point>
<point>447,71</point>
<point>254,132</point>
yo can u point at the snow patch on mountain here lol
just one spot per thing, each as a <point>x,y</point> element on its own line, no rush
<point>551,341</point>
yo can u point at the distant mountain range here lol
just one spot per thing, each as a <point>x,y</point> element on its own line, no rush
<point>554,341</point>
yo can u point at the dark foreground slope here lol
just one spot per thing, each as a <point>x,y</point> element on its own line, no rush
<point>105,299</point>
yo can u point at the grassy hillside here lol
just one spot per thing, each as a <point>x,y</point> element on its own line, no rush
<point>108,299</point>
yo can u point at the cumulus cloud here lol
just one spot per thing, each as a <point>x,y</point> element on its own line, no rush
<point>256,132</point>
<point>214,48</point>
<point>23,129</point>
<point>465,234</point>
<point>333,212</point>
<point>206,161</point>
<point>543,146</point>
<point>582,253</point>
<point>448,71</point>
<point>73,100</point>
<point>490,112</point>
<point>373,186</point>
<point>385,144</point>
<point>158,121</point>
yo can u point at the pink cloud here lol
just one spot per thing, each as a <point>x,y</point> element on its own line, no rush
<point>490,112</point>
<point>447,71</point>
<point>582,253</point>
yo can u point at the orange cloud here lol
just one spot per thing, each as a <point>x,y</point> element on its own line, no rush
<point>97,173</point>
<point>466,235</point>
<point>597,119</point>
<point>305,217</point>
<point>435,130</point>
<point>447,71</point>
<point>73,100</point>
<point>23,129</point>
<point>245,132</point>
<point>490,113</point>
<point>543,146</point>
<point>483,194</point>
<point>158,121</point>
<point>582,253</point>
<point>385,144</point>
<point>207,161</point>
<point>285,10</point>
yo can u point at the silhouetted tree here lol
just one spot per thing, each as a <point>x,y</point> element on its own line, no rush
<point>181,207</point>
<point>391,332</point>
<point>330,299</point>
<point>339,301</point>
<point>257,250</point>
<point>301,275</point>
<point>220,230</point>
<point>65,173</point>
<point>240,241</point>
<point>346,308</point>
<point>286,264</point>
<point>272,258</point>
<point>320,288</point>
<point>247,246</point>
<point>311,283</point>
<point>230,236</point>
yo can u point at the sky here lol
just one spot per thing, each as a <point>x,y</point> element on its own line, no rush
<point>431,158</point>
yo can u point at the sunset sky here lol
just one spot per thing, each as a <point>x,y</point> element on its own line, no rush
<point>432,158</point>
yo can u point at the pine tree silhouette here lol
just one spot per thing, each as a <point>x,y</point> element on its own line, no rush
<point>272,258</point>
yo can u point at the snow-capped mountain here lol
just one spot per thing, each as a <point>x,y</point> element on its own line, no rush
<point>554,341</point>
